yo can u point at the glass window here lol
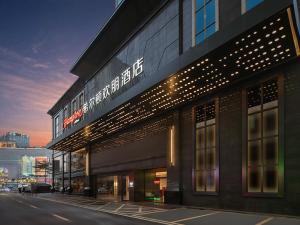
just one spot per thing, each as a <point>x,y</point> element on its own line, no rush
<point>262,151</point>
<point>58,164</point>
<point>67,162</point>
<point>74,106</point>
<point>56,126</point>
<point>205,19</point>
<point>205,152</point>
<point>66,115</point>
<point>78,184</point>
<point>249,4</point>
<point>81,100</point>
<point>78,160</point>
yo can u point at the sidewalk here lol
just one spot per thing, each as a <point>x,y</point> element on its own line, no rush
<point>171,214</point>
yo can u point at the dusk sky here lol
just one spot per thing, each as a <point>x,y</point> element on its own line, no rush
<point>39,42</point>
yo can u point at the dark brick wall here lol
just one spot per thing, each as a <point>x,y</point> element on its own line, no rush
<point>228,12</point>
<point>230,194</point>
<point>144,154</point>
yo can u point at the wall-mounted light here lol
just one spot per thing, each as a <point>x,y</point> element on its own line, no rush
<point>87,163</point>
<point>131,185</point>
<point>172,146</point>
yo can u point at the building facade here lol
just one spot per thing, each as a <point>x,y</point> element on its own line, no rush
<point>186,101</point>
<point>21,140</point>
<point>24,165</point>
<point>8,144</point>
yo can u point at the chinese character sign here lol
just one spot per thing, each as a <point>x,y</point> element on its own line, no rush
<point>128,75</point>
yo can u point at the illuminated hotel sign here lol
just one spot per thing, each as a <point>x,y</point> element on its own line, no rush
<point>118,82</point>
<point>74,118</point>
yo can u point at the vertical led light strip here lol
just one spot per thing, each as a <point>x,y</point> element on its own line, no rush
<point>87,164</point>
<point>172,163</point>
<point>294,35</point>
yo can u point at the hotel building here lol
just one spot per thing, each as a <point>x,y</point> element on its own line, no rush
<point>191,102</point>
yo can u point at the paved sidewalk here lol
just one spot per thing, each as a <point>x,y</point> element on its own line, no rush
<point>170,214</point>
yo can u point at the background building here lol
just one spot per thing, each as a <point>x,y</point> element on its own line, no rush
<point>23,164</point>
<point>185,101</point>
<point>8,144</point>
<point>21,140</point>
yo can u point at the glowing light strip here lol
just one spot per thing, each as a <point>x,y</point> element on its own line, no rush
<point>172,147</point>
<point>295,39</point>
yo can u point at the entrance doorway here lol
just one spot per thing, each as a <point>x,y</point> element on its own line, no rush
<point>155,185</point>
<point>107,188</point>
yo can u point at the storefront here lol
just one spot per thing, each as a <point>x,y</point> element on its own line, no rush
<point>189,104</point>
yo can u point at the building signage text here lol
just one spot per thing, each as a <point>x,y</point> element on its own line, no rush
<point>118,82</point>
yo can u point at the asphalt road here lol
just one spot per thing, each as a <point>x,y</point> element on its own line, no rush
<point>42,209</point>
<point>16,209</point>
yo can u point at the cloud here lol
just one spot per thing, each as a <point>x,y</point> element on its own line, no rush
<point>40,65</point>
<point>28,89</point>
<point>11,60</point>
<point>26,104</point>
<point>31,94</point>
<point>63,61</point>
<point>37,46</point>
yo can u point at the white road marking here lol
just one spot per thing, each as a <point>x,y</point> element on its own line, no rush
<point>62,218</point>
<point>150,211</point>
<point>115,213</point>
<point>140,209</point>
<point>33,206</point>
<point>265,221</point>
<point>120,207</point>
<point>102,206</point>
<point>153,220</point>
<point>194,217</point>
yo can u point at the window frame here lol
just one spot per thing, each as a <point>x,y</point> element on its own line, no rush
<point>217,137</point>
<point>73,109</point>
<point>56,126</point>
<point>281,158</point>
<point>65,116</point>
<point>79,103</point>
<point>194,11</point>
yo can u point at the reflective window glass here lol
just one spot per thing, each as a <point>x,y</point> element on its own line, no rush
<point>205,18</point>
<point>252,3</point>
<point>205,163</point>
<point>262,151</point>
